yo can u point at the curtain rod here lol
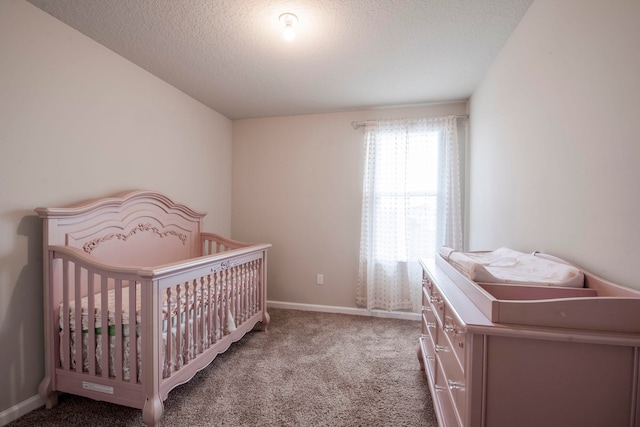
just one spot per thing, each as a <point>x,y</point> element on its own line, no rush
<point>357,125</point>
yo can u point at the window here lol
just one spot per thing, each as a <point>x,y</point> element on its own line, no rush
<point>411,205</point>
<point>406,181</point>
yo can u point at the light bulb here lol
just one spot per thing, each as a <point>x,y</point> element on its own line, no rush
<point>289,33</point>
<point>288,20</point>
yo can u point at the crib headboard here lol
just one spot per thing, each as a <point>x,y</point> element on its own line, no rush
<point>137,228</point>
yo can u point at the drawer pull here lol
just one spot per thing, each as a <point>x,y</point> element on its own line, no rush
<point>441,348</point>
<point>455,385</point>
<point>437,301</point>
<point>448,327</point>
<point>431,325</point>
<point>426,308</point>
<point>431,358</point>
<point>459,336</point>
<point>440,388</point>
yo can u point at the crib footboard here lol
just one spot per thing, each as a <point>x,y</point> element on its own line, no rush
<point>130,335</point>
<point>207,308</point>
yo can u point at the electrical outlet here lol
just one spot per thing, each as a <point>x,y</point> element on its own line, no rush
<point>320,279</point>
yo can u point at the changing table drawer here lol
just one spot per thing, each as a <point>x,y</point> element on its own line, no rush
<point>455,333</point>
<point>429,323</point>
<point>453,372</point>
<point>429,356</point>
<point>436,301</point>
<point>446,410</point>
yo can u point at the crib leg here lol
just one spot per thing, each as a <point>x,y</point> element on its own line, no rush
<point>152,411</point>
<point>49,396</point>
<point>265,321</point>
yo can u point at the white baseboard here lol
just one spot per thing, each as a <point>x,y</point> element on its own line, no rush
<point>22,408</point>
<point>405,315</point>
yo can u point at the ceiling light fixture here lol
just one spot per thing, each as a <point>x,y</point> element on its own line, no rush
<point>288,20</point>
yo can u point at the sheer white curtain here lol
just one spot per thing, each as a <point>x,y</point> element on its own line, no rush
<point>411,205</point>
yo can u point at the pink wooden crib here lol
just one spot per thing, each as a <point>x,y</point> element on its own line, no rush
<point>137,299</point>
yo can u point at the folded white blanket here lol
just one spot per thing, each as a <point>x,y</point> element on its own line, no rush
<point>505,265</point>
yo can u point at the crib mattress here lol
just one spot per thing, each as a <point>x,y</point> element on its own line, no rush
<point>186,303</point>
<point>111,328</point>
<point>506,265</point>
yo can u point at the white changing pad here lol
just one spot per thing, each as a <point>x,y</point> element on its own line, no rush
<point>506,265</point>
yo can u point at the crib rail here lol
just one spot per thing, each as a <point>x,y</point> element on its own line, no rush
<point>208,303</point>
<point>93,338</point>
<point>112,320</point>
<point>214,243</point>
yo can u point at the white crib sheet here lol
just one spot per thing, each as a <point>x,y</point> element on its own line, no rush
<point>506,265</point>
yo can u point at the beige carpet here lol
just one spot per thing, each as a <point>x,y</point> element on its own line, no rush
<point>309,369</point>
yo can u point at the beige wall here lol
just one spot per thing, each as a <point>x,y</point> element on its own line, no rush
<point>76,122</point>
<point>555,138</point>
<point>297,183</point>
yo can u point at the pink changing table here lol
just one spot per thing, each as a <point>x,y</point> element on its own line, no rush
<point>512,355</point>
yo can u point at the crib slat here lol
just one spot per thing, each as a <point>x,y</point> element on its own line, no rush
<point>225,302</point>
<point>249,279</point>
<point>221,307</point>
<point>178,351</point>
<point>191,338</point>
<point>133,337</point>
<point>168,359</point>
<point>216,306</point>
<point>234,292</point>
<point>231,295</point>
<point>194,320</point>
<point>242,294</point>
<point>240,314</point>
<point>247,289</point>
<point>104,325</point>
<point>202,314</point>
<point>254,289</point>
<point>240,290</point>
<point>91,330</point>
<point>78,317</point>
<point>250,288</point>
<point>119,339</point>
<point>245,292</point>
<point>187,335</point>
<point>66,349</point>
<point>238,294</point>
<point>209,317</point>
<point>262,274</point>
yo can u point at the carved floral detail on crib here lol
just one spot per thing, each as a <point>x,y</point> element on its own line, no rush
<point>228,264</point>
<point>91,245</point>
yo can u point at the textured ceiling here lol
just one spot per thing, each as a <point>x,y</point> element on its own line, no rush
<point>348,54</point>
